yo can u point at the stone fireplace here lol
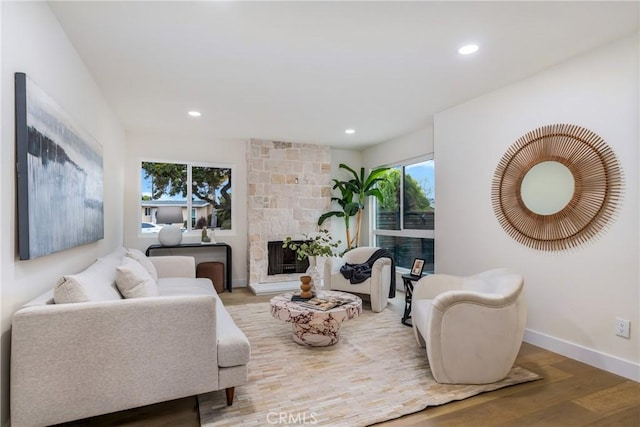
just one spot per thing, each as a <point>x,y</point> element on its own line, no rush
<point>289,188</point>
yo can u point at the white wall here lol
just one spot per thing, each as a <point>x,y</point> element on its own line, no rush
<point>183,149</point>
<point>575,295</point>
<point>412,145</point>
<point>34,43</point>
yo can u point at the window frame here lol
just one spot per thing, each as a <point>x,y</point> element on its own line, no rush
<point>190,165</point>
<point>410,232</point>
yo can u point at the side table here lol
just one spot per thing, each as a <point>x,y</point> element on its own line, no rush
<point>407,280</point>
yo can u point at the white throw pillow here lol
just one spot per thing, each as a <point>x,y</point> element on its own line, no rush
<point>134,281</point>
<point>144,261</point>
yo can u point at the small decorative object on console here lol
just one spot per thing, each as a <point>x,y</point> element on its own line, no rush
<point>170,235</point>
<point>205,235</point>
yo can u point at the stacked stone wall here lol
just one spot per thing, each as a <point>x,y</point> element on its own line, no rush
<point>289,188</point>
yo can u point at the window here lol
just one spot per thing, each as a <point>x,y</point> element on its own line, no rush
<point>206,202</point>
<point>404,223</point>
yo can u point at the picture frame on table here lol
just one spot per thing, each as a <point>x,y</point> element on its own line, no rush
<point>418,265</point>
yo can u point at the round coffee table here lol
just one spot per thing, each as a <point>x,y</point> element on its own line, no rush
<point>313,326</point>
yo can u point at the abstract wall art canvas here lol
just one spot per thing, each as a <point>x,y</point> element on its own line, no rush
<point>59,175</point>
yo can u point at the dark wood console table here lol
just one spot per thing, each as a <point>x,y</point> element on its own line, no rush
<point>160,250</point>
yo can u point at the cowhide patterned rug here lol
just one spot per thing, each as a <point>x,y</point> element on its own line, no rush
<point>376,372</point>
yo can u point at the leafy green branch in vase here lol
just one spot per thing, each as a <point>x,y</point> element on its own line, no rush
<point>318,244</point>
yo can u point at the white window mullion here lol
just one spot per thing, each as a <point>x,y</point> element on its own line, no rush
<point>189,196</point>
<point>401,202</point>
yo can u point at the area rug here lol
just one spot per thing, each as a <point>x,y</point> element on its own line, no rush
<point>376,372</point>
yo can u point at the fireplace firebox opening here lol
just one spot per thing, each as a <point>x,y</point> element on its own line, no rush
<point>284,260</point>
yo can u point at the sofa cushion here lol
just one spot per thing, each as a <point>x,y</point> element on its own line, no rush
<point>233,345</point>
<point>177,286</point>
<point>115,255</point>
<point>137,255</point>
<point>95,283</point>
<point>110,262</point>
<point>134,281</point>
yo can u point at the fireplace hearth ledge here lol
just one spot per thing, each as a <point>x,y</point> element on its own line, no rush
<point>274,287</point>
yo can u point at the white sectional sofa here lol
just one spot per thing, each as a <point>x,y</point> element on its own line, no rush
<point>82,349</point>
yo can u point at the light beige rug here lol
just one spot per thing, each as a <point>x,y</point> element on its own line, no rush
<point>375,373</point>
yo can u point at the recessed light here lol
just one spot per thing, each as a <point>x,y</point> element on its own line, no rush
<point>350,131</point>
<point>468,49</point>
<point>195,113</point>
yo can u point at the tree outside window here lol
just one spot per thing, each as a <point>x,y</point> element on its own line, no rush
<point>405,221</point>
<point>203,192</point>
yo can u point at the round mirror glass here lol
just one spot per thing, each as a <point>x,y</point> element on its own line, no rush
<point>547,188</point>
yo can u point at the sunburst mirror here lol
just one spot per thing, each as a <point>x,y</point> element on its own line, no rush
<point>556,187</point>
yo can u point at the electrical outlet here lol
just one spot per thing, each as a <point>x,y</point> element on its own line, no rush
<point>622,327</point>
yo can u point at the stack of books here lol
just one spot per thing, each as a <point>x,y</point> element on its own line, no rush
<point>320,303</point>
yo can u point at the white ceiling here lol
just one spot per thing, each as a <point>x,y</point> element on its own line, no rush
<point>306,71</point>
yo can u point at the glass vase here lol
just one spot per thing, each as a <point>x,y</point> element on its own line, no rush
<point>316,279</point>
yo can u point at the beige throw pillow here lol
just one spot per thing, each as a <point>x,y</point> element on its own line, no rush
<point>134,281</point>
<point>95,283</point>
<point>144,261</point>
<point>69,290</point>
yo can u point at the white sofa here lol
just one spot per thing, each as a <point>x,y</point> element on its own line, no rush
<point>76,360</point>
<point>471,326</point>
<point>377,286</point>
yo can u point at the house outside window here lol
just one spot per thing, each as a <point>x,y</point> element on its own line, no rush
<point>206,202</point>
<point>404,224</point>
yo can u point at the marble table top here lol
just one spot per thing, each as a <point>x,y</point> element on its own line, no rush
<point>284,309</point>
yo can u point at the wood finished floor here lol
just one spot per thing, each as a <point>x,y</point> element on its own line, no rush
<point>571,394</point>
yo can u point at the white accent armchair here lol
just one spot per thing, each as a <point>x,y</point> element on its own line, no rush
<point>471,326</point>
<point>377,286</point>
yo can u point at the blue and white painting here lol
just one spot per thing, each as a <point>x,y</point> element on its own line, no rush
<point>60,184</point>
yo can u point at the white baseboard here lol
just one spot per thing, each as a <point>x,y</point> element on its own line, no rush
<point>606,362</point>
<point>239,284</point>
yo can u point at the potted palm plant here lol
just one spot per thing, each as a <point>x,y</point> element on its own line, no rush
<point>353,195</point>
